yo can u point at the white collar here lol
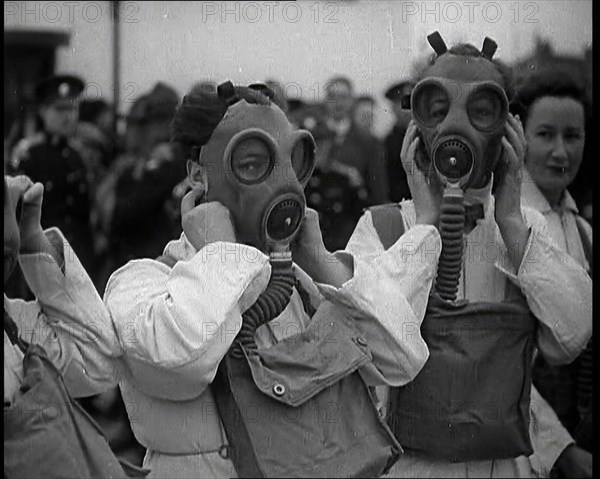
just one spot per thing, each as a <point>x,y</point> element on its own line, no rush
<point>535,199</point>
<point>180,249</point>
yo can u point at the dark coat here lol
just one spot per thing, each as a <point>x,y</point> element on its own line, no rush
<point>366,154</point>
<point>54,162</point>
<point>141,224</point>
<point>398,183</point>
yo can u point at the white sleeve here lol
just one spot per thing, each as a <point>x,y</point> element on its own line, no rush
<point>549,438</point>
<point>558,291</point>
<point>387,297</point>
<point>72,323</point>
<point>175,325</point>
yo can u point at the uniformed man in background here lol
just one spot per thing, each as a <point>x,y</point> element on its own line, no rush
<point>49,157</point>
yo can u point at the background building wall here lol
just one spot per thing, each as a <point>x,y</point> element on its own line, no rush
<point>373,42</point>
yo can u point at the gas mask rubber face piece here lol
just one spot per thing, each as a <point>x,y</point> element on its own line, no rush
<point>257,165</point>
<point>461,109</point>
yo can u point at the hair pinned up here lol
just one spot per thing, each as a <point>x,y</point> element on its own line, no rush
<point>200,112</point>
<point>550,81</point>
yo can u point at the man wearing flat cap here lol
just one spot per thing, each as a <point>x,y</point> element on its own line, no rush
<point>50,158</point>
<point>399,97</point>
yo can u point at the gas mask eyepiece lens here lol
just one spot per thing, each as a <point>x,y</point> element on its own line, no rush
<point>303,157</point>
<point>251,160</point>
<point>487,109</point>
<point>430,104</point>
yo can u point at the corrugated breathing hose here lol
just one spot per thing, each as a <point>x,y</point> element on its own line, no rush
<point>452,223</point>
<point>270,304</point>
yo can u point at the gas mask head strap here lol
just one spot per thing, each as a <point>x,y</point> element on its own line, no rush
<point>439,46</point>
<point>227,93</point>
<point>437,43</point>
<point>264,89</point>
<point>489,48</point>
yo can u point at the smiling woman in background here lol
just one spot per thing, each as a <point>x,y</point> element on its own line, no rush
<point>552,107</point>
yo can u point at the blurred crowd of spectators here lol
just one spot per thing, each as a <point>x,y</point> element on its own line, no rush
<point>130,185</point>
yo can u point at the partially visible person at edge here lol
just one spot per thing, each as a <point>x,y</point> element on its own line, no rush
<point>553,110</point>
<point>172,301</point>
<point>399,97</point>
<point>564,319</point>
<point>58,346</point>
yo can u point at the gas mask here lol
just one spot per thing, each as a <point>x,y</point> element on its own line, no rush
<point>257,165</point>
<point>461,109</point>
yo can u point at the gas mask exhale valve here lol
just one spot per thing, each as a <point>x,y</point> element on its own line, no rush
<point>460,109</point>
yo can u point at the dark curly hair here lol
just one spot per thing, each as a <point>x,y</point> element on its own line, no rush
<point>547,82</point>
<point>201,111</point>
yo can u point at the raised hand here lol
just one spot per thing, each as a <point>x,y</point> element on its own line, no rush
<point>508,174</point>
<point>424,186</point>
<point>205,223</point>
<point>507,178</point>
<point>31,196</point>
<point>32,237</point>
<point>309,252</point>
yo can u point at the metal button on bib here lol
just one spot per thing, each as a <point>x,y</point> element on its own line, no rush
<point>279,389</point>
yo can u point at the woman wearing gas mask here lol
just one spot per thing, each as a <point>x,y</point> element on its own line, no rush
<point>502,288</point>
<point>248,347</point>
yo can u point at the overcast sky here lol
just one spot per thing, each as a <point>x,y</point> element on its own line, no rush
<point>301,45</point>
